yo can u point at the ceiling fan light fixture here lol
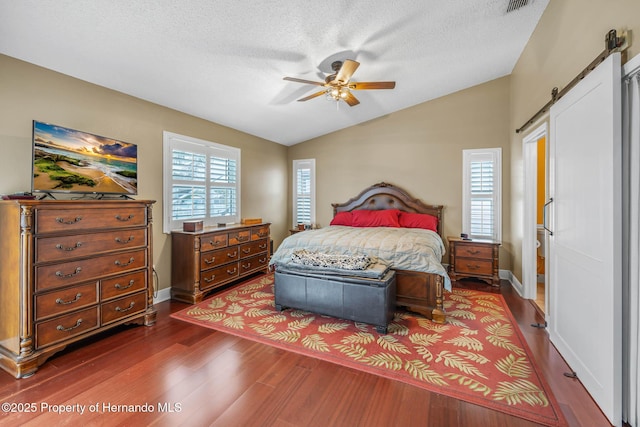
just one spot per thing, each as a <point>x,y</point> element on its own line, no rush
<point>337,86</point>
<point>337,93</point>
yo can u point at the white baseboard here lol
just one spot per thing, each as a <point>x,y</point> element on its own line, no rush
<point>162,295</point>
<point>515,283</point>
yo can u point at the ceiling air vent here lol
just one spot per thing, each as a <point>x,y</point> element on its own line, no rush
<point>516,4</point>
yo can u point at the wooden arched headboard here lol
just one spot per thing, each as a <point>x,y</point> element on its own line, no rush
<point>387,196</point>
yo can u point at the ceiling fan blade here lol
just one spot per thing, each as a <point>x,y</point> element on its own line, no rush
<point>346,71</point>
<point>313,95</point>
<point>372,85</point>
<point>351,100</point>
<point>293,79</point>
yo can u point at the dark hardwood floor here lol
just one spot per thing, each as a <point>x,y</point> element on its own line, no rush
<point>193,376</point>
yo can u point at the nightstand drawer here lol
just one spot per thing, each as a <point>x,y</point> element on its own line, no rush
<point>471,250</point>
<point>474,266</point>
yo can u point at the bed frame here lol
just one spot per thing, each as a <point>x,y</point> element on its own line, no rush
<point>416,291</point>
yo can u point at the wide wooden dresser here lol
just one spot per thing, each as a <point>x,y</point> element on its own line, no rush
<point>202,261</point>
<point>70,269</point>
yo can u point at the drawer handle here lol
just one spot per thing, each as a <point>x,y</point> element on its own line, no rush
<point>262,234</point>
<point>119,218</point>
<point>73,221</point>
<point>262,260</point>
<point>246,251</point>
<point>210,279</point>
<point>130,239</point>
<point>235,270</point>
<point>243,238</point>
<point>63,302</point>
<point>70,248</point>
<point>246,266</point>
<point>123,310</point>
<point>210,261</point>
<point>62,328</point>
<point>118,263</point>
<point>232,255</point>
<point>216,242</point>
<point>473,251</point>
<point>473,267</point>
<point>61,274</point>
<point>263,246</point>
<point>119,286</point>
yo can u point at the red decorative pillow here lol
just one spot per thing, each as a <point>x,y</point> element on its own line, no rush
<point>342,218</point>
<point>382,218</point>
<point>416,220</point>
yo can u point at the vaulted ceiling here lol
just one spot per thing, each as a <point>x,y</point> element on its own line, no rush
<point>224,60</point>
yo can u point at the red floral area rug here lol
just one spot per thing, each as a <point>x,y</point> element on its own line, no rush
<point>478,356</point>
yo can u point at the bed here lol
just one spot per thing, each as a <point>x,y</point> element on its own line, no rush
<point>414,253</point>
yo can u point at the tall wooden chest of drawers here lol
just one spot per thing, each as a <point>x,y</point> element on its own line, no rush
<point>474,258</point>
<point>70,269</point>
<point>202,261</point>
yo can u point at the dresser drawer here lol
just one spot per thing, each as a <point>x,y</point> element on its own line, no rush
<point>253,248</point>
<point>474,266</point>
<point>79,245</point>
<point>55,220</point>
<point>237,237</point>
<point>123,307</point>
<point>65,300</point>
<point>258,233</point>
<point>219,257</point>
<point>68,273</point>
<point>254,263</point>
<point>211,278</point>
<point>470,250</point>
<point>64,327</point>
<point>123,285</point>
<point>213,241</point>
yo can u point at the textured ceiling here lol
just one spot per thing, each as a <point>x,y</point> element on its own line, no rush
<point>224,60</point>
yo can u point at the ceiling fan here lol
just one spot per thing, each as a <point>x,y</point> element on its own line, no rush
<point>338,86</point>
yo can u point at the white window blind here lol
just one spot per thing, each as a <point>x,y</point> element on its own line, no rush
<point>304,191</point>
<point>482,193</point>
<point>201,181</point>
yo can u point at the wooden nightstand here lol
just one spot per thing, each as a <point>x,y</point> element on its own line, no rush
<point>474,258</point>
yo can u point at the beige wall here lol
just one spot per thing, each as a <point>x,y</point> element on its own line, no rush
<point>568,37</point>
<point>29,92</point>
<point>419,149</point>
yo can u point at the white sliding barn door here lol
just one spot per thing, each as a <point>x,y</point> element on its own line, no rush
<point>585,321</point>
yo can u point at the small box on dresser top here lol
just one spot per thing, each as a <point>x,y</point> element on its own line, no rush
<point>206,260</point>
<point>69,270</point>
<point>474,258</point>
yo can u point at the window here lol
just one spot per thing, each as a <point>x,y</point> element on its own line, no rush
<point>304,191</point>
<point>201,181</point>
<point>482,183</point>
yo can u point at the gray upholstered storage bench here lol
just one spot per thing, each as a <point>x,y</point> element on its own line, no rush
<point>360,299</point>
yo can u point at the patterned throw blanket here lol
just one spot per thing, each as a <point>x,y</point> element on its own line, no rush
<point>319,259</point>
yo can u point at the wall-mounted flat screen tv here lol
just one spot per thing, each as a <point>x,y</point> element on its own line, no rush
<point>72,161</point>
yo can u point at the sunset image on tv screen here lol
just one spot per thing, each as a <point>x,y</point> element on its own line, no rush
<point>73,161</point>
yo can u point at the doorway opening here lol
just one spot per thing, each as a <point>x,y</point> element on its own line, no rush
<point>541,198</point>
<point>534,241</point>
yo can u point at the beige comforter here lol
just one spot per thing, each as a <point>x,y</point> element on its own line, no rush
<point>402,248</point>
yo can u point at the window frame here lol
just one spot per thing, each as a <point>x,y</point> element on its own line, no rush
<point>297,165</point>
<point>494,155</point>
<point>173,141</point>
